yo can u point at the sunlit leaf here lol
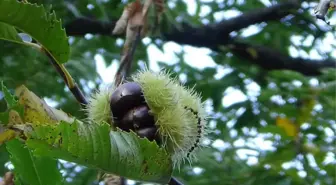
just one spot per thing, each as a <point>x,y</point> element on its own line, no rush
<point>94,145</point>
<point>9,33</point>
<point>288,125</point>
<point>31,169</point>
<point>41,25</point>
<point>36,110</point>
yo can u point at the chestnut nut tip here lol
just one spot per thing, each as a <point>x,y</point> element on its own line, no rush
<point>126,97</point>
<point>150,133</point>
<point>131,112</point>
<point>136,118</point>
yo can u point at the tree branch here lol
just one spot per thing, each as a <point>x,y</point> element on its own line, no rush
<point>271,59</point>
<point>216,35</point>
<point>84,25</point>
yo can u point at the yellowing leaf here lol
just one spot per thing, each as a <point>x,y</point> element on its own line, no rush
<point>289,127</point>
<point>122,22</point>
<point>7,135</point>
<point>305,110</point>
<point>14,118</point>
<point>129,13</point>
<point>36,110</point>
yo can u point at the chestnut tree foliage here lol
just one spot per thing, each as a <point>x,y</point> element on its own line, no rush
<point>270,90</point>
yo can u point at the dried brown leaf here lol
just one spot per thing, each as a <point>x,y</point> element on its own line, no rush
<point>128,12</point>
<point>111,179</point>
<point>8,179</point>
<point>134,17</point>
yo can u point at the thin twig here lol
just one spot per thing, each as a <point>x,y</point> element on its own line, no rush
<point>126,64</point>
<point>69,81</point>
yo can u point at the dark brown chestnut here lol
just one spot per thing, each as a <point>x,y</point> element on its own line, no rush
<point>136,118</point>
<point>126,97</point>
<point>131,112</point>
<point>150,133</point>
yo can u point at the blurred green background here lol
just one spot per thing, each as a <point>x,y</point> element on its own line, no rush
<point>270,126</point>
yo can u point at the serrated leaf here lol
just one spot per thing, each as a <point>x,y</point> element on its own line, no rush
<point>12,105</point>
<point>41,25</point>
<point>9,98</point>
<point>36,110</point>
<point>9,33</point>
<point>30,169</point>
<point>94,145</point>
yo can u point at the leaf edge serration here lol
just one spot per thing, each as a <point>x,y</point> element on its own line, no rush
<point>153,164</point>
<point>56,45</point>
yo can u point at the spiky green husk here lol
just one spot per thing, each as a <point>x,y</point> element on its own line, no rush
<point>175,108</point>
<point>98,109</point>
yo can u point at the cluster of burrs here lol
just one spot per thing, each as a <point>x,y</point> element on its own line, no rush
<point>157,107</point>
<point>131,112</point>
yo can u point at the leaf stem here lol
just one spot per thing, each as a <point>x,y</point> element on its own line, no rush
<point>69,81</point>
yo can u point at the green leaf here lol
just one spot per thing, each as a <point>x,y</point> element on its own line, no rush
<point>329,72</point>
<point>38,23</point>
<point>288,75</point>
<point>31,169</point>
<point>94,145</point>
<point>4,158</point>
<point>266,94</point>
<point>10,99</point>
<point>9,33</point>
<point>12,104</point>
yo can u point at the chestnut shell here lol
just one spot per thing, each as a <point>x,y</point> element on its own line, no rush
<point>136,118</point>
<point>126,97</point>
<point>131,112</point>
